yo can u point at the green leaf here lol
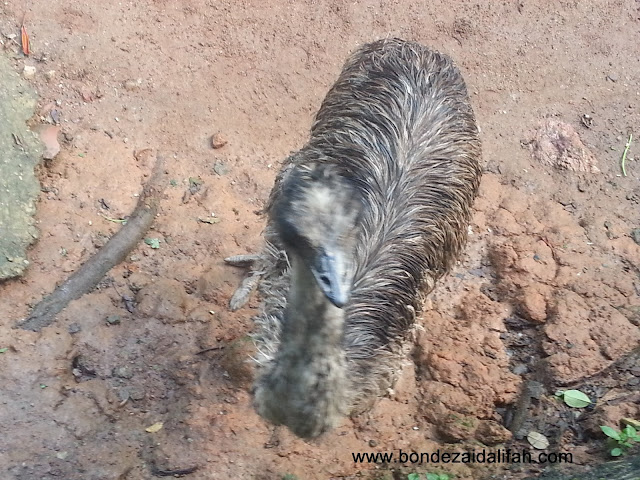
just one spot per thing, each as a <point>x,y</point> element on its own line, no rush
<point>630,431</point>
<point>610,432</point>
<point>616,452</point>
<point>576,399</point>
<point>444,476</point>
<point>152,242</point>
<point>2,350</point>
<point>433,476</point>
<point>413,476</point>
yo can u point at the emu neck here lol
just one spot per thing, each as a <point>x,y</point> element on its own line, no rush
<point>305,387</point>
<point>311,321</point>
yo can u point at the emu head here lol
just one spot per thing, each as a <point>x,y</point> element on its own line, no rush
<point>317,216</point>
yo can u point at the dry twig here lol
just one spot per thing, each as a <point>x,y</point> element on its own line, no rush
<point>114,251</point>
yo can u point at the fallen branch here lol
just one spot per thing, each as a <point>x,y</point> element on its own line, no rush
<point>114,251</point>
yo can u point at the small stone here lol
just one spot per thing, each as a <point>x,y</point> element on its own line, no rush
<point>220,168</point>
<point>113,320</point>
<point>74,328</point>
<point>520,369</point>
<point>137,393</point>
<point>50,74</point>
<point>635,234</point>
<point>218,141</point>
<point>29,72</point>
<point>122,372</point>
<point>62,455</point>
<point>132,85</point>
<point>492,433</point>
<point>373,443</point>
<point>612,77</point>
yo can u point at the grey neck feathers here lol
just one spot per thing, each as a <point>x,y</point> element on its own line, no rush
<point>311,322</point>
<point>305,387</point>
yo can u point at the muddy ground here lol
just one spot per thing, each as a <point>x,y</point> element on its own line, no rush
<point>546,297</point>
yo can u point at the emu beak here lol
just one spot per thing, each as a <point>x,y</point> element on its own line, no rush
<point>330,271</point>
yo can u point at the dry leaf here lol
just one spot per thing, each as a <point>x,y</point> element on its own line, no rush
<point>156,427</point>
<point>26,45</point>
<point>537,440</point>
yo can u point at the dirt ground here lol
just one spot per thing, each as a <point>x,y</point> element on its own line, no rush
<point>546,297</point>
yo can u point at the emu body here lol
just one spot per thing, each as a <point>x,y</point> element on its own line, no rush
<point>363,220</point>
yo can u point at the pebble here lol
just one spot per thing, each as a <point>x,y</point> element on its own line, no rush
<point>132,85</point>
<point>122,372</point>
<point>635,234</point>
<point>220,168</point>
<point>519,369</point>
<point>113,320</point>
<point>29,72</point>
<point>74,328</point>
<point>218,140</point>
<point>137,393</point>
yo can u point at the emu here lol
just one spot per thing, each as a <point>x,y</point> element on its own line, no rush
<point>362,222</point>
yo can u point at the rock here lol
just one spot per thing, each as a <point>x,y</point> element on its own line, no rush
<point>135,393</point>
<point>635,234</point>
<point>490,432</point>
<point>113,320</point>
<point>132,85</point>
<point>220,168</point>
<point>520,369</point>
<point>456,428</point>
<point>122,372</point>
<point>20,151</point>
<point>74,328</point>
<point>50,75</point>
<point>557,144</point>
<point>218,141</point>
<point>534,304</point>
<point>29,72</point>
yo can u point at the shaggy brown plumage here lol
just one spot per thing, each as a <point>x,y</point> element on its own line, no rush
<point>363,221</point>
